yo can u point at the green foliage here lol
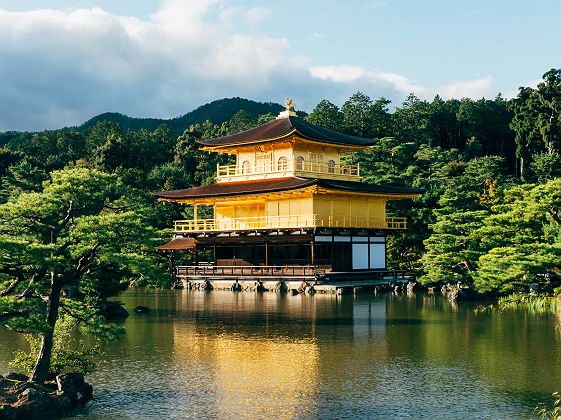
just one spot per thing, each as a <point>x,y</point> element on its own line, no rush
<point>461,152</point>
<point>70,352</point>
<point>533,303</point>
<point>545,167</point>
<point>552,413</point>
<point>327,115</point>
<point>217,112</point>
<point>537,119</point>
<point>80,232</point>
<point>366,118</point>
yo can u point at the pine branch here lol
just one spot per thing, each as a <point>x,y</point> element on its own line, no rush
<point>12,286</point>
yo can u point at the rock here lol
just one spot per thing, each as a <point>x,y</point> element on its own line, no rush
<point>431,290</point>
<point>458,294</point>
<point>7,411</point>
<point>310,290</point>
<point>397,289</point>
<point>205,285</point>
<point>113,310</point>
<point>12,376</point>
<point>281,287</point>
<point>21,398</point>
<point>177,285</point>
<point>236,287</point>
<point>142,309</point>
<point>357,290</point>
<point>73,386</point>
<point>413,286</point>
<point>302,287</point>
<point>294,292</point>
<point>534,288</point>
<point>28,394</point>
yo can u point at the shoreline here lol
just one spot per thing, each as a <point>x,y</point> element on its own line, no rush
<point>21,398</point>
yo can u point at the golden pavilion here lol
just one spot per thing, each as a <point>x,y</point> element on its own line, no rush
<point>288,207</point>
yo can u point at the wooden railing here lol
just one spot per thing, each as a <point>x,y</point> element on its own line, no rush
<point>248,271</point>
<point>287,222</point>
<point>296,168</point>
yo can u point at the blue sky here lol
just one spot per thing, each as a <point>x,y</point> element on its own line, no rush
<point>61,61</point>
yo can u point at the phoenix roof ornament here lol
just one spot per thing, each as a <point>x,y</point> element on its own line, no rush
<point>289,104</point>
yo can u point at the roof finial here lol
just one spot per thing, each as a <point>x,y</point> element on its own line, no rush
<point>289,111</point>
<point>289,104</point>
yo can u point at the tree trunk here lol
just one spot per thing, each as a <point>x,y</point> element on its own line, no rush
<point>43,363</point>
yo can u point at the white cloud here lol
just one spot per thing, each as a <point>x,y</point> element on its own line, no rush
<point>353,74</point>
<point>477,88</point>
<point>530,83</point>
<point>62,67</point>
<point>377,79</point>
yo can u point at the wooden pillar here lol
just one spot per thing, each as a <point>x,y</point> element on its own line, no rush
<point>312,253</point>
<point>266,252</point>
<point>214,252</point>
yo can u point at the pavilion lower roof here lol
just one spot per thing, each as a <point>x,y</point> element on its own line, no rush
<point>227,189</point>
<point>177,244</point>
<point>285,127</point>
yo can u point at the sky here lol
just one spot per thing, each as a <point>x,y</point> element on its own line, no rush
<point>63,62</point>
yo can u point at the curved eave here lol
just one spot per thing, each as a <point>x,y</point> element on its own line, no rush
<point>282,129</point>
<point>251,189</point>
<point>294,134</point>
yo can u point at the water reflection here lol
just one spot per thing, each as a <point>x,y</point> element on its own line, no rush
<point>231,355</point>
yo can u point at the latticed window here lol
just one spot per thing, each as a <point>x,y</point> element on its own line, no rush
<point>245,167</point>
<point>282,164</point>
<point>263,162</point>
<point>331,166</point>
<point>300,163</point>
<point>317,159</point>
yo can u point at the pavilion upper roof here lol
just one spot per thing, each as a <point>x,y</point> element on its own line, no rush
<point>283,128</point>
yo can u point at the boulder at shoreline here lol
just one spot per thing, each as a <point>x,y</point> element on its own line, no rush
<point>21,398</point>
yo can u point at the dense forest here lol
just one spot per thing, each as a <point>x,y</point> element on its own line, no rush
<point>78,222</point>
<point>490,169</point>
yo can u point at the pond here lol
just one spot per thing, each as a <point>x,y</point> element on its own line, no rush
<point>262,355</point>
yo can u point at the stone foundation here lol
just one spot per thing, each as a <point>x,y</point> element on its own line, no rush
<point>296,287</point>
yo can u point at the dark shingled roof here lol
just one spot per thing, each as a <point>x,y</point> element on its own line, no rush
<point>177,244</point>
<point>283,127</point>
<point>279,184</point>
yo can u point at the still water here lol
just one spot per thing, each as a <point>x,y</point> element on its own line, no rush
<point>245,355</point>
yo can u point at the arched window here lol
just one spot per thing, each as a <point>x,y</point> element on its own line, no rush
<point>299,163</point>
<point>282,164</point>
<point>331,166</point>
<point>245,167</point>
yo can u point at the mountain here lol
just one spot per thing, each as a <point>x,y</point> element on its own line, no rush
<point>216,112</point>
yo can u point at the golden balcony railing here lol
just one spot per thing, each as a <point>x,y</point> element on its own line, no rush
<point>226,173</point>
<point>288,222</point>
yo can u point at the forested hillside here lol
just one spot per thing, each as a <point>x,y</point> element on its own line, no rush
<point>490,216</point>
<point>217,112</point>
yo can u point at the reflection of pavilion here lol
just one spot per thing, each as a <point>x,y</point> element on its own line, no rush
<point>267,354</point>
